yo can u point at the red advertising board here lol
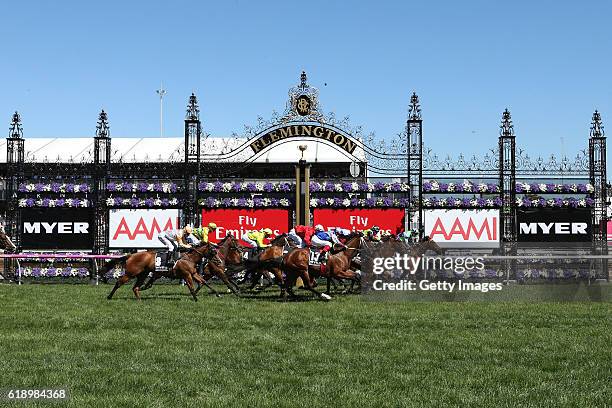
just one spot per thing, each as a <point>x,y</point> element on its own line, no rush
<point>239,220</point>
<point>388,219</point>
<point>609,232</point>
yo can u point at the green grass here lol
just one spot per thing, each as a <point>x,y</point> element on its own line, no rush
<point>170,351</point>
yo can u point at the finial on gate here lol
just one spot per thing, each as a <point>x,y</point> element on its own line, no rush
<point>506,128</point>
<point>102,129</point>
<point>303,80</point>
<point>597,129</point>
<point>414,109</point>
<point>15,130</point>
<point>193,112</point>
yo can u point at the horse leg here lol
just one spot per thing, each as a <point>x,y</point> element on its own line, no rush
<point>228,283</point>
<point>139,281</point>
<point>152,279</point>
<point>122,280</point>
<point>306,279</point>
<point>189,282</point>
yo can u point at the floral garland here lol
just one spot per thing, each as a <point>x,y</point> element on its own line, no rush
<point>465,187</point>
<point>127,187</point>
<point>212,202</point>
<point>53,202</point>
<point>341,202</point>
<point>54,188</point>
<point>355,187</point>
<point>51,272</point>
<point>570,202</point>
<point>554,188</point>
<point>558,273</point>
<point>251,187</point>
<point>141,202</point>
<point>462,202</point>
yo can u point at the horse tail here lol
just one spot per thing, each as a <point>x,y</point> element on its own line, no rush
<point>112,263</point>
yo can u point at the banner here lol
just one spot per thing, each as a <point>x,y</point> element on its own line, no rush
<point>238,221</point>
<point>463,228</point>
<point>554,225</point>
<point>389,220</point>
<point>57,228</point>
<point>140,228</point>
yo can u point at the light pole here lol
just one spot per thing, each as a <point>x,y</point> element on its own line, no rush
<point>161,92</point>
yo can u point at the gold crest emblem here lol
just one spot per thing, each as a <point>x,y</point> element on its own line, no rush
<point>302,105</point>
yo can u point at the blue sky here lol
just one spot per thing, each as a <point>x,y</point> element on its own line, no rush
<point>547,61</point>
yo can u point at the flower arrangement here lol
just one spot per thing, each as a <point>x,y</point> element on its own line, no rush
<point>141,187</point>
<point>354,187</point>
<point>570,202</point>
<point>251,187</point>
<point>554,188</point>
<point>433,186</point>
<point>550,274</point>
<point>50,272</point>
<point>342,202</point>
<point>53,202</point>
<point>54,188</point>
<point>141,202</point>
<point>256,202</point>
<point>453,202</point>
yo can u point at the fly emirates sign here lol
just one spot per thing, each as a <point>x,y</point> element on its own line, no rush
<point>239,221</point>
<point>463,228</point>
<point>140,228</point>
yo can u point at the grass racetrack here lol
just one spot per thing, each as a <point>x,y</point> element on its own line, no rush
<point>170,351</point>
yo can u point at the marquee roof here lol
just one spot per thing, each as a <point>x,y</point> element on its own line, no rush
<point>167,149</point>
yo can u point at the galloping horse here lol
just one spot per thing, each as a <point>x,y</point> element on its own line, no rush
<point>229,255</point>
<point>140,264</point>
<point>338,265</point>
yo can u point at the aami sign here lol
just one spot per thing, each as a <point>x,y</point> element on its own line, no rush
<point>388,219</point>
<point>140,228</point>
<point>463,228</point>
<point>239,221</point>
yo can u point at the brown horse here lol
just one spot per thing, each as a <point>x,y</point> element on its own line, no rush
<point>229,256</point>
<point>294,264</point>
<point>338,265</point>
<point>138,265</point>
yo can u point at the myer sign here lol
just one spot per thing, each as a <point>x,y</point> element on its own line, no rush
<point>554,225</point>
<point>314,131</point>
<point>56,228</point>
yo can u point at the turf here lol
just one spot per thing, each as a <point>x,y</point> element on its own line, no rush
<point>170,351</point>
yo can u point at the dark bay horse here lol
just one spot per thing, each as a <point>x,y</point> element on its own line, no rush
<point>138,265</point>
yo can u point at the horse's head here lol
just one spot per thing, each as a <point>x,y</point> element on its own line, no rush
<point>204,250</point>
<point>279,240</point>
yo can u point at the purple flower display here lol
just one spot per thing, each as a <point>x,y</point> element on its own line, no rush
<point>314,187</point>
<point>22,188</point>
<point>30,202</point>
<point>83,272</point>
<point>217,186</point>
<point>284,187</point>
<point>118,201</point>
<point>165,202</point>
<point>134,202</point>
<point>149,202</point>
<point>55,187</point>
<point>268,187</point>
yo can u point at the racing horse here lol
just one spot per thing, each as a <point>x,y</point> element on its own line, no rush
<point>138,265</point>
<point>340,263</point>
<point>294,264</point>
<point>228,257</point>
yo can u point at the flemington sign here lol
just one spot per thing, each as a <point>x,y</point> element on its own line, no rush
<point>315,131</point>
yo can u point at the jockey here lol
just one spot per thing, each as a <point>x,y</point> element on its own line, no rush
<point>201,234</point>
<point>373,234</point>
<point>175,239</point>
<point>342,232</point>
<point>324,240</point>
<point>301,235</point>
<point>5,241</point>
<point>255,238</point>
